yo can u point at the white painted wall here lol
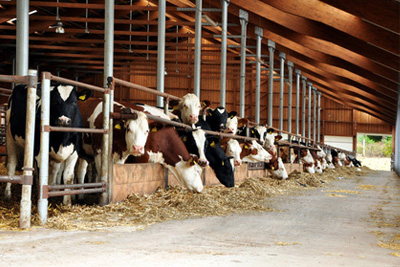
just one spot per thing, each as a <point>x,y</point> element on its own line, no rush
<point>343,142</point>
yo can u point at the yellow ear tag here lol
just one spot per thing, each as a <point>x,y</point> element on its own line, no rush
<point>212,144</point>
<point>246,147</point>
<point>223,163</point>
<point>252,131</point>
<point>272,168</point>
<point>82,97</point>
<point>117,126</point>
<point>154,129</point>
<point>184,139</point>
<point>231,116</point>
<point>270,132</point>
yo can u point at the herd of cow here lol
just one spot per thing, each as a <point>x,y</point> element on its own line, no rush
<point>140,140</point>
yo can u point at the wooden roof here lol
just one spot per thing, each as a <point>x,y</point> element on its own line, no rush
<point>349,50</point>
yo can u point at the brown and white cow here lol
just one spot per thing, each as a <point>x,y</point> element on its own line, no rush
<point>276,167</point>
<point>129,136</point>
<point>232,149</point>
<point>173,155</point>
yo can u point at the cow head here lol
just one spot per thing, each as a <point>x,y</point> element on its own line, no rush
<point>320,153</point>
<point>218,117</point>
<point>200,140</point>
<point>270,139</point>
<point>318,166</point>
<point>307,160</point>
<point>232,124</point>
<point>257,154</point>
<point>189,108</point>
<point>64,110</point>
<point>259,132</point>
<point>190,172</point>
<point>233,150</point>
<point>136,132</point>
<point>277,168</point>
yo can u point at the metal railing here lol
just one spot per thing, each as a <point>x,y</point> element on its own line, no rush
<point>26,178</point>
<point>45,190</point>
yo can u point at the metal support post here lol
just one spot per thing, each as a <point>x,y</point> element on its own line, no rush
<point>298,77</point>
<point>397,135</point>
<point>244,17</point>
<point>319,118</point>
<point>106,157</point>
<point>290,96</point>
<point>282,57</point>
<point>309,84</point>
<point>224,15</point>
<point>22,51</point>
<point>197,49</point>
<point>314,113</point>
<point>44,148</point>
<point>259,34</point>
<point>161,50</point>
<point>271,49</point>
<point>303,107</point>
<point>26,202</point>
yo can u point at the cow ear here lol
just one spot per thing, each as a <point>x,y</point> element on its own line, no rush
<point>205,104</point>
<point>173,104</point>
<point>155,126</point>
<point>209,111</point>
<point>278,137</point>
<point>84,94</point>
<point>242,122</point>
<point>119,126</point>
<point>232,114</point>
<point>270,130</point>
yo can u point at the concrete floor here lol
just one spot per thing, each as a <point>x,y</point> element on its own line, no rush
<point>311,229</point>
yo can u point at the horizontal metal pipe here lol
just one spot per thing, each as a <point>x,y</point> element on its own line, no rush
<point>71,129</point>
<point>13,79</point>
<point>73,186</point>
<point>76,192</point>
<point>16,179</point>
<point>144,89</point>
<point>6,90</point>
<point>178,124</point>
<point>79,84</point>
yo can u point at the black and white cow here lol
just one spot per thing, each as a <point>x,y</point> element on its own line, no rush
<point>218,117</point>
<point>64,146</point>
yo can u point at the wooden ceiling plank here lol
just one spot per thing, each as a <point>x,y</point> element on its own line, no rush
<point>384,13</point>
<point>340,20</point>
<point>319,35</point>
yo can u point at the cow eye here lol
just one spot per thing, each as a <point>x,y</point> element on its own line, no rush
<point>184,106</point>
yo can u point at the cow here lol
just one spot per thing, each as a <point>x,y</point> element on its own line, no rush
<point>64,147</point>
<point>218,117</point>
<point>129,136</point>
<point>342,159</point>
<point>276,166</point>
<point>232,149</point>
<point>173,155</point>
<point>335,158</point>
<point>355,162</point>
<point>329,161</point>
<point>308,161</point>
<point>259,132</point>
<point>232,125</point>
<point>196,143</point>
<point>284,154</point>
<point>188,109</point>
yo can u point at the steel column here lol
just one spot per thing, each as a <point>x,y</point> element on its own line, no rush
<point>26,202</point>
<point>22,49</point>
<point>259,33</point>
<point>314,112</point>
<point>161,50</point>
<point>298,77</point>
<point>319,118</point>
<point>106,157</point>
<point>271,49</point>
<point>244,17</point>
<point>44,148</point>
<point>282,57</point>
<point>397,135</point>
<point>290,96</point>
<point>303,107</point>
<point>224,32</point>
<point>197,49</point>
<point>309,84</point>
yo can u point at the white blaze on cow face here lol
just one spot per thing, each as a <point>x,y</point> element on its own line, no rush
<point>233,149</point>
<point>190,108</point>
<point>324,164</point>
<point>308,159</point>
<point>342,158</point>
<point>318,166</point>
<point>261,131</point>
<point>261,156</point>
<point>281,171</point>
<point>320,153</point>
<point>200,139</point>
<point>232,125</point>
<point>136,134</point>
<point>187,175</point>
<point>64,91</point>
<point>269,143</point>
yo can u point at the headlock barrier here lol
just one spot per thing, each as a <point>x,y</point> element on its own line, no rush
<point>27,177</point>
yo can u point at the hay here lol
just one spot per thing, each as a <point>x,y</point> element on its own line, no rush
<point>176,203</point>
<point>344,191</point>
<point>286,243</point>
<point>335,195</point>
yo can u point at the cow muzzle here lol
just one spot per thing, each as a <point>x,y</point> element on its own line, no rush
<point>137,150</point>
<point>64,121</point>
<point>237,162</point>
<point>193,118</point>
<point>203,162</point>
